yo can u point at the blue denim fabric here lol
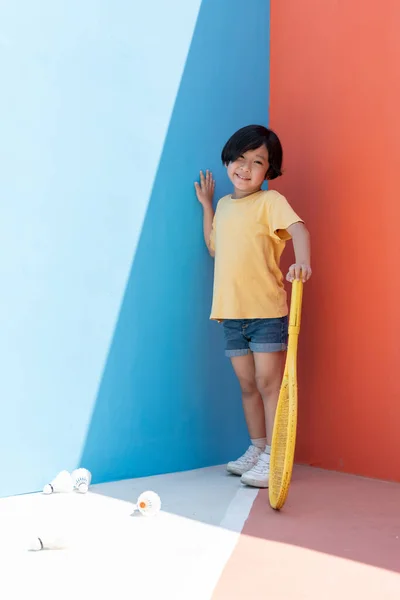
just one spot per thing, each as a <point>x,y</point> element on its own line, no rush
<point>255,335</point>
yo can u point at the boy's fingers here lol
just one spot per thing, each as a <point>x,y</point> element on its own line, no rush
<point>303,272</point>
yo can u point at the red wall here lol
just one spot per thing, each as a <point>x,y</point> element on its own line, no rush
<point>335,102</point>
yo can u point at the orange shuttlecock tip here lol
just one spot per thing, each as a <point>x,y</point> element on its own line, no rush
<point>143,505</point>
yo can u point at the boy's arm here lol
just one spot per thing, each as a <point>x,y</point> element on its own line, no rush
<point>205,192</point>
<point>208,218</point>
<point>302,252</point>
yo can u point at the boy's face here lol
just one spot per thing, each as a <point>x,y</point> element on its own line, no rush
<point>247,172</point>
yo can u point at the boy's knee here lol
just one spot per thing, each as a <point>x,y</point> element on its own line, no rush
<point>248,386</point>
<point>266,385</point>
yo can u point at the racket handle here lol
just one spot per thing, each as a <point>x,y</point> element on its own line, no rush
<point>295,307</point>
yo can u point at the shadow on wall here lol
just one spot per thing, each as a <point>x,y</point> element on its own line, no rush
<point>168,400</point>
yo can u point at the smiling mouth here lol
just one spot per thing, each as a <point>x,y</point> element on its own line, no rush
<point>242,178</point>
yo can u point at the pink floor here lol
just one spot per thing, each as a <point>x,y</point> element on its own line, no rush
<point>338,536</point>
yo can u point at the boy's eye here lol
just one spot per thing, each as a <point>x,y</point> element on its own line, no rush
<point>258,162</point>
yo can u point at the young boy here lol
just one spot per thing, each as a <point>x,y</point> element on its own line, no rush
<point>247,236</point>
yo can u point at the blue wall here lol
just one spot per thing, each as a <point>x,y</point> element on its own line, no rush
<point>109,111</point>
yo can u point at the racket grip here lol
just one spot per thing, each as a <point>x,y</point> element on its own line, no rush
<point>295,307</point>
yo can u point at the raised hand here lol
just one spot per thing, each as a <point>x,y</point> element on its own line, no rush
<point>205,189</point>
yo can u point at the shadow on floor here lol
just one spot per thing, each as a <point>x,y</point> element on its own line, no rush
<point>203,495</point>
<point>333,513</point>
<point>338,514</point>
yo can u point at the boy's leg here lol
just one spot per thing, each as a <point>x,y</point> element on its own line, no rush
<point>268,372</point>
<point>253,406</point>
<point>253,409</point>
<point>268,375</point>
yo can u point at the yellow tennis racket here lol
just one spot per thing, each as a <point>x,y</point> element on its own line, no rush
<point>285,425</point>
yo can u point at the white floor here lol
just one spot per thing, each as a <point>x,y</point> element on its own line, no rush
<point>105,551</point>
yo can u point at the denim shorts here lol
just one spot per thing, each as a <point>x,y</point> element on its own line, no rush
<point>255,335</point>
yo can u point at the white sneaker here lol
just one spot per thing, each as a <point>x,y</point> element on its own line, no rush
<point>258,476</point>
<point>245,462</point>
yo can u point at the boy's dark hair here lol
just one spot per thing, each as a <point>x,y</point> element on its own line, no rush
<point>251,138</point>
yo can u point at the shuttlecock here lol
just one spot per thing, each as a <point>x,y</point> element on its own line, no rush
<point>45,542</point>
<point>61,483</point>
<point>148,504</point>
<point>81,479</point>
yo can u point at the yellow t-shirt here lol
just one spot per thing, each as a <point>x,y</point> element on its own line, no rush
<point>248,238</point>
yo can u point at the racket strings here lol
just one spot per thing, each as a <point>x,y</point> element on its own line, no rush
<point>280,446</point>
